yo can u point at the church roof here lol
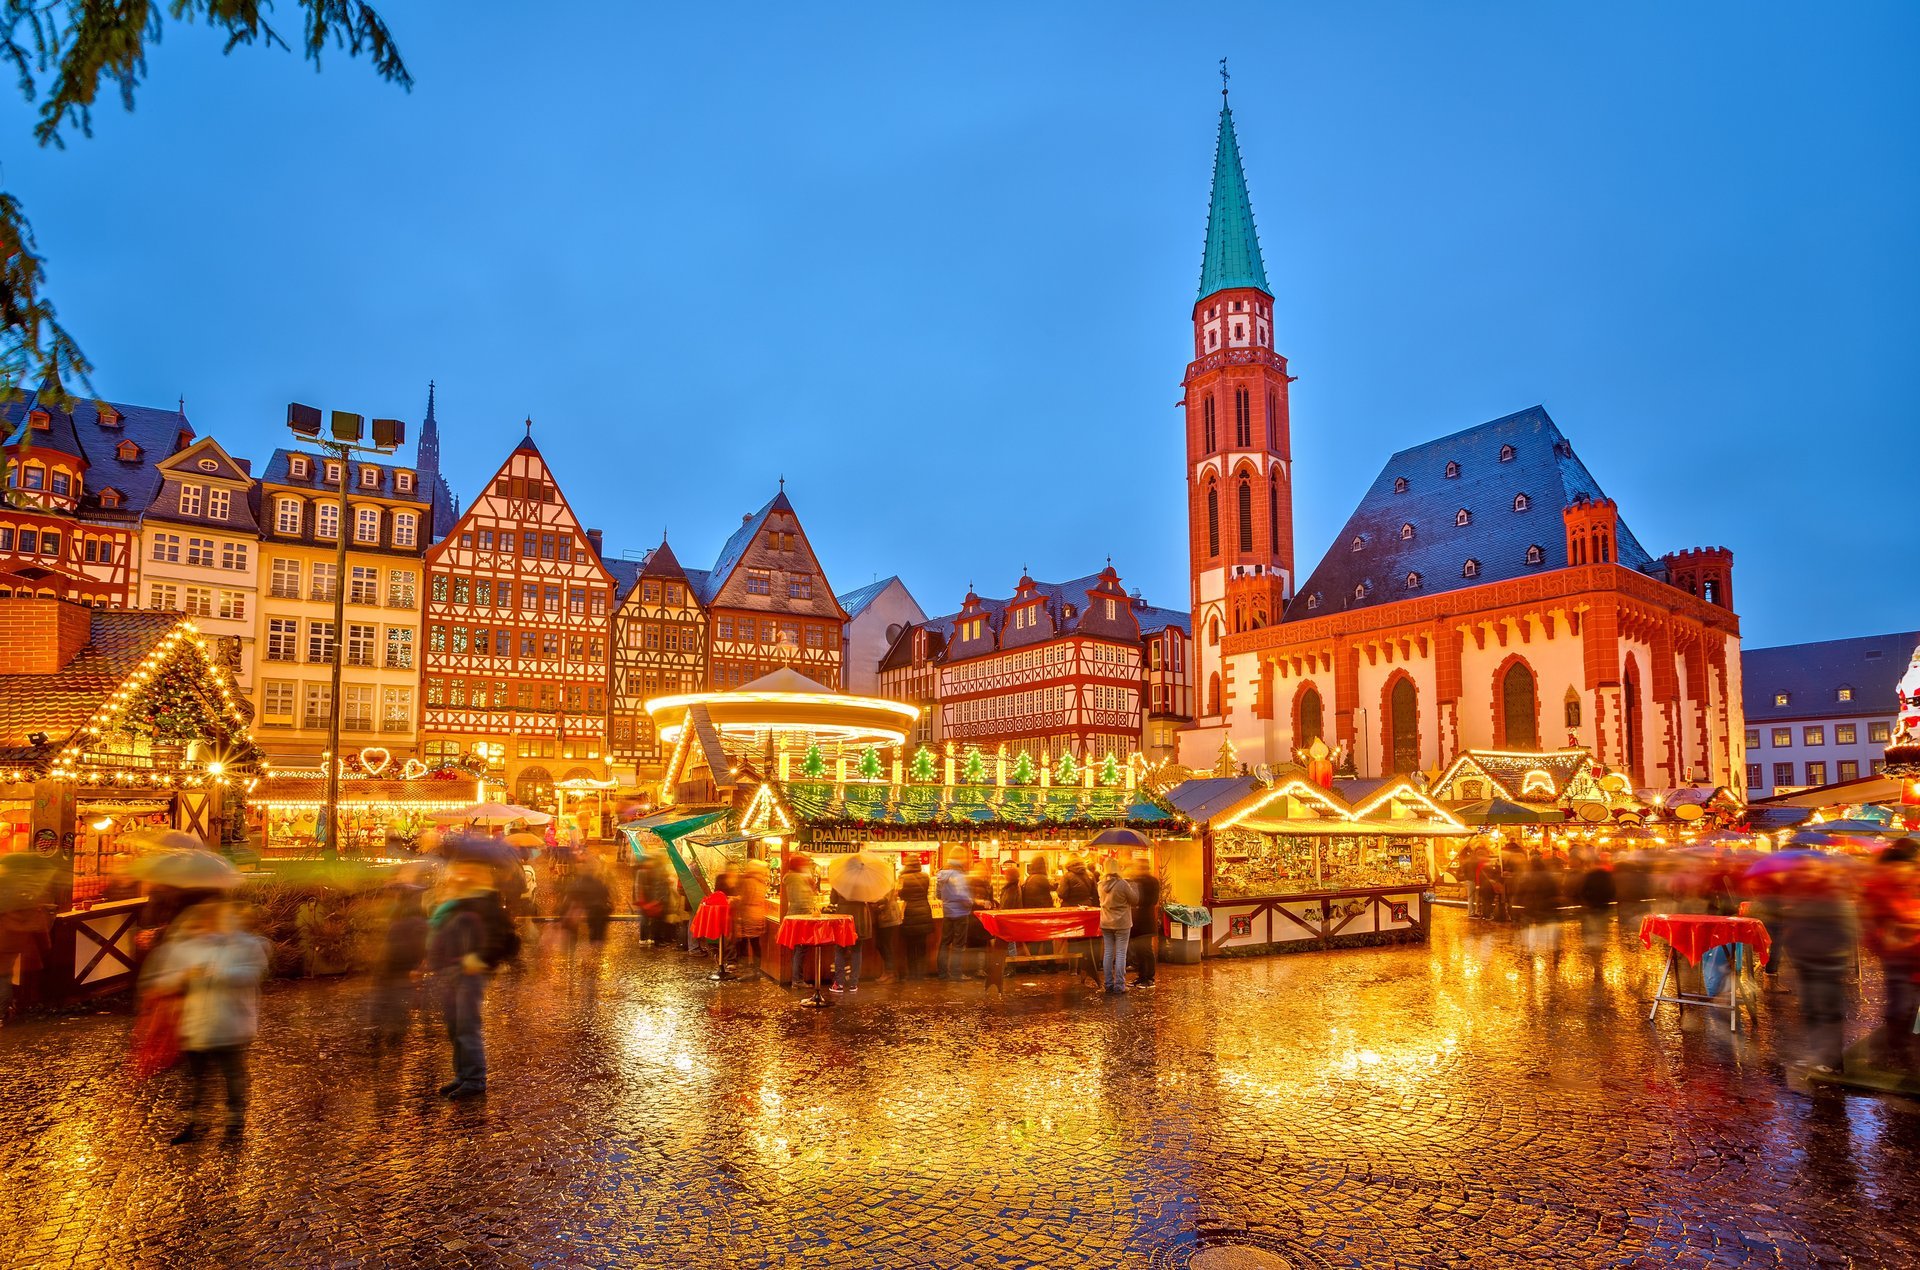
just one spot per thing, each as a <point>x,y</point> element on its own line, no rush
<point>1232,254</point>
<point>1370,561</point>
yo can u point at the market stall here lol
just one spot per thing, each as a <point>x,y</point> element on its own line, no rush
<point>380,816</point>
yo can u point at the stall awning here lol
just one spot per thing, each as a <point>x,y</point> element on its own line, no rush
<point>671,826</point>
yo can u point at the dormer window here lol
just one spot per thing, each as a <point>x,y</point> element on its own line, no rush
<point>1471,569</point>
<point>39,420</point>
<point>1406,532</point>
<point>1413,582</point>
<point>1399,484</point>
<point>1780,698</point>
<point>109,417</point>
<point>110,498</point>
<point>1359,541</point>
<point>1453,470</point>
<point>333,473</point>
<point>297,467</point>
<point>1844,694</point>
<point>369,476</point>
<point>1361,589</point>
<point>1521,502</point>
<point>1535,555</point>
<point>1313,601</point>
<point>403,482</point>
<point>1463,517</point>
<point>127,452</point>
<point>1506,454</point>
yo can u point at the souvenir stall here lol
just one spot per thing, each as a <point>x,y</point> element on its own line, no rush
<point>1280,863</point>
<point>384,808</point>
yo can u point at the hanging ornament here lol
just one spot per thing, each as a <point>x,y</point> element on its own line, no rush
<point>374,759</point>
<point>413,769</point>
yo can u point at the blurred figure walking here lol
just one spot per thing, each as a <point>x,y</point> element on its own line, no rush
<point>1821,934</point>
<point>1143,948</point>
<point>587,903</point>
<point>403,949</point>
<point>916,920</point>
<point>1597,895</point>
<point>470,933</point>
<point>799,897</point>
<point>215,967</point>
<point>1891,898</point>
<point>1116,925</point>
<point>956,914</point>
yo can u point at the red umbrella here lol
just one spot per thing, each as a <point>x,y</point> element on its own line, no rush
<point>1798,872</point>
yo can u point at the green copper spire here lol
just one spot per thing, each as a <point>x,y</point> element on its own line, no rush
<point>1232,257</point>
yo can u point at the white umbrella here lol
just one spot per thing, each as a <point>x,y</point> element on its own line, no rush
<point>187,870</point>
<point>491,814</point>
<point>162,840</point>
<point>863,878</point>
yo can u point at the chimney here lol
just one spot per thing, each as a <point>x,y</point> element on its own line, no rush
<point>39,637</point>
<point>593,536</point>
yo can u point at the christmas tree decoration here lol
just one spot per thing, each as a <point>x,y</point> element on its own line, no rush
<point>814,765</point>
<point>1068,772</point>
<point>1022,769</point>
<point>924,769</point>
<point>869,764</point>
<point>1228,762</point>
<point>975,770</point>
<point>1110,770</point>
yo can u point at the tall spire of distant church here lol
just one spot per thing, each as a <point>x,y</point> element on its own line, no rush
<point>1232,256</point>
<point>432,484</point>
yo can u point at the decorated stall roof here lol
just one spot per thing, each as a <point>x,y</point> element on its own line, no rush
<point>860,804</point>
<point>285,790</point>
<point>1290,803</point>
<point>1550,776</point>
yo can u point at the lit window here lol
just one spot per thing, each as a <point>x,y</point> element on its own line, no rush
<point>1845,694</point>
<point>1779,698</point>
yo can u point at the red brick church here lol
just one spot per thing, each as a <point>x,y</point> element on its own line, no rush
<point>1485,594</point>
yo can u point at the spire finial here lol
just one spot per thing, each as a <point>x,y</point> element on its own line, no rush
<point>1224,77</point>
<point>529,425</point>
<point>783,482</point>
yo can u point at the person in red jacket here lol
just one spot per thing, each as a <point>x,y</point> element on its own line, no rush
<point>1890,900</point>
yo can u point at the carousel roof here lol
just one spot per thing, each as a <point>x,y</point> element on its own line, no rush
<point>784,701</point>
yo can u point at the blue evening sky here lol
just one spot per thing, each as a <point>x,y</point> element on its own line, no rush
<point>936,265</point>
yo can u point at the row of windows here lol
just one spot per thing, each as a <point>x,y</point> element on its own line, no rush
<point>285,703</point>
<point>1126,657</point>
<point>323,579</point>
<point>483,641</point>
<point>494,694</point>
<point>798,586</point>
<point>214,503</point>
<point>300,468</point>
<point>747,630</point>
<point>203,552</point>
<point>284,643</point>
<point>1843,693</point>
<point>531,544</point>
<point>1242,420</point>
<point>1536,555</point>
<point>1843,734</point>
<point>1847,769</point>
<point>1244,494</point>
<point>32,542</point>
<point>198,601</point>
<point>534,597</point>
<point>1033,701</point>
<point>650,593</point>
<point>37,477</point>
<point>290,517</point>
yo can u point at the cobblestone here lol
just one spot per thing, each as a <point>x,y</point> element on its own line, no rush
<point>1470,1103</point>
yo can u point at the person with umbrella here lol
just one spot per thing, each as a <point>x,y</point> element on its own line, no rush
<point>214,968</point>
<point>859,881</point>
<point>1117,898</point>
<point>469,933</point>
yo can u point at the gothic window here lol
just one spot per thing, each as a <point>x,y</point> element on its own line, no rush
<point>1312,718</point>
<point>1521,502</point>
<point>1242,417</point>
<point>1463,517</point>
<point>1213,693</point>
<point>1406,532</point>
<point>1206,414</point>
<point>1403,728</point>
<point>1518,707</point>
<point>1535,555</point>
<point>1273,513</point>
<point>1273,418</point>
<point>1246,514</point>
<point>1213,519</point>
<point>1213,631</point>
<point>1413,582</point>
<point>1471,569</point>
<point>1399,484</point>
<point>1506,454</point>
<point>1453,469</point>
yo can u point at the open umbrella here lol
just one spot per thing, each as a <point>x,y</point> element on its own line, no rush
<point>1498,811</point>
<point>491,814</point>
<point>189,870</point>
<point>524,839</point>
<point>862,878</point>
<point>1798,872</point>
<point>1119,837</point>
<point>478,849</point>
<point>161,840</point>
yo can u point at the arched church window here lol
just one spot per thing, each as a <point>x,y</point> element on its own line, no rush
<point>1213,519</point>
<point>1246,514</point>
<point>1518,707</point>
<point>1273,513</point>
<point>1207,419</point>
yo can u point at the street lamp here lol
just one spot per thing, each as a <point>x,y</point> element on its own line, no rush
<point>347,434</point>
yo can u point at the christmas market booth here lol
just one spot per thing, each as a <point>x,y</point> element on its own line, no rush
<point>1279,863</point>
<point>384,806</point>
<point>113,724</point>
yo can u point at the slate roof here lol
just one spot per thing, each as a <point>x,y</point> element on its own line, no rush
<point>156,431</point>
<point>1542,467</point>
<point>625,573</point>
<point>279,472</point>
<point>1812,675</point>
<point>1153,619</point>
<point>1231,257</point>
<point>856,601</point>
<point>735,547</point>
<point>57,704</point>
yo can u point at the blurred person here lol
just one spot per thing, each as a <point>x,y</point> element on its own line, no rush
<point>1143,949</point>
<point>215,966</point>
<point>750,910</point>
<point>1536,893</point>
<point>1821,934</point>
<point>1596,894</point>
<point>403,948</point>
<point>469,934</point>
<point>1076,886</point>
<point>26,928</point>
<point>980,883</point>
<point>799,897</point>
<point>587,903</point>
<point>1036,890</point>
<point>847,958</point>
<point>916,920</point>
<point>1490,886</point>
<point>1006,891</point>
<point>888,914</point>
<point>1117,897</point>
<point>1890,899</point>
<point>727,883</point>
<point>650,881</point>
<point>956,912</point>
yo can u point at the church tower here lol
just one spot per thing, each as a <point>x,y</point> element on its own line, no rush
<point>1239,456</point>
<point>432,484</point>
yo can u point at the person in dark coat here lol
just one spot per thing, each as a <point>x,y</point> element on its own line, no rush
<point>587,902</point>
<point>1143,948</point>
<point>469,933</point>
<point>401,953</point>
<point>1596,893</point>
<point>1076,887</point>
<point>1821,933</point>
<point>916,920</point>
<point>1037,890</point>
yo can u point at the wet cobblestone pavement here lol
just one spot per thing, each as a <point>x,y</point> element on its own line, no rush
<point>1469,1103</point>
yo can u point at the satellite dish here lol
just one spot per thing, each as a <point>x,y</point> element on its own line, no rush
<point>1263,774</point>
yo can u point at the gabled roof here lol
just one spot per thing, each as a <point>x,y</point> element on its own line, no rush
<point>1812,675</point>
<point>158,433</point>
<point>1231,257</point>
<point>1059,597</point>
<point>626,573</point>
<point>119,640</point>
<point>736,546</point>
<point>1542,467</point>
<point>785,679</point>
<point>856,600</point>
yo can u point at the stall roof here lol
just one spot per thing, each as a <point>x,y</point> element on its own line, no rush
<point>1202,799</point>
<point>817,803</point>
<point>360,791</point>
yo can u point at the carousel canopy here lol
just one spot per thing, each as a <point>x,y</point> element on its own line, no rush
<point>784,704</point>
<point>816,804</point>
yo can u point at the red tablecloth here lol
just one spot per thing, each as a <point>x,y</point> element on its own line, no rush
<point>1038,925</point>
<point>713,919</point>
<point>1691,934</point>
<point>810,932</point>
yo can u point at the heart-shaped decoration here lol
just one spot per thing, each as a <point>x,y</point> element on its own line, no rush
<point>374,760</point>
<point>413,769</point>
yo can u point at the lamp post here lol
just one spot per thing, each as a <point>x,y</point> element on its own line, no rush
<point>347,433</point>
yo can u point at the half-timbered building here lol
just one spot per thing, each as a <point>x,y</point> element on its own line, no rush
<point>910,672</point>
<point>1165,656</point>
<point>518,619</point>
<point>659,649</point>
<point>769,604</point>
